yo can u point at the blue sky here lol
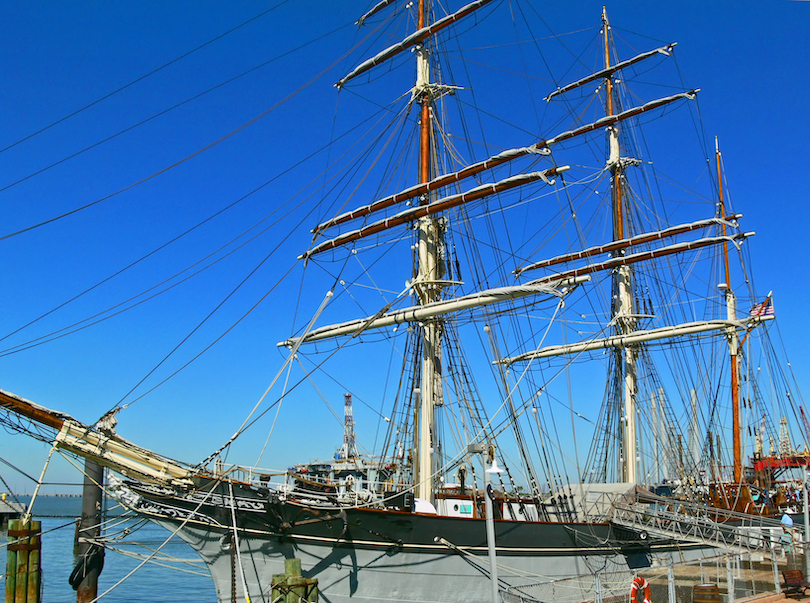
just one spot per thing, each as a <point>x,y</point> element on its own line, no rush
<point>750,60</point>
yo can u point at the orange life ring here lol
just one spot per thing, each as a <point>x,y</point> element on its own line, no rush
<point>640,584</point>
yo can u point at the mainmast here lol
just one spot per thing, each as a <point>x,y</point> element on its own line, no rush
<point>733,343</point>
<point>623,303</point>
<point>428,288</point>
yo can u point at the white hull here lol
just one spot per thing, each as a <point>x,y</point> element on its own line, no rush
<point>348,573</point>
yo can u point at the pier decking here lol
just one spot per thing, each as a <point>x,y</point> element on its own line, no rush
<point>10,510</point>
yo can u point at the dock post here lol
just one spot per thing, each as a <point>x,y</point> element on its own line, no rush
<point>21,550</point>
<point>76,536</point>
<point>23,561</point>
<point>292,586</point>
<point>34,557</point>
<point>278,588</point>
<point>11,564</point>
<point>91,555</point>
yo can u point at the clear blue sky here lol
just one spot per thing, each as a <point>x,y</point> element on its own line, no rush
<point>750,60</point>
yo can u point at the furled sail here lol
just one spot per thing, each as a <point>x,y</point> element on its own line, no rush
<point>499,159</point>
<point>640,239</point>
<point>549,286</point>
<point>632,338</point>
<point>653,253</point>
<point>374,10</point>
<point>608,71</point>
<point>409,215</point>
<point>412,40</point>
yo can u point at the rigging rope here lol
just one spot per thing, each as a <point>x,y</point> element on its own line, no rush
<point>236,542</point>
<point>183,160</point>
<point>288,360</point>
<point>143,77</point>
<point>181,525</point>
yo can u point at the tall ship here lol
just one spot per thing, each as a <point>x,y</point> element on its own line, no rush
<point>506,297</point>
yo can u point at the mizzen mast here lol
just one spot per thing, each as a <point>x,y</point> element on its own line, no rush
<point>733,338</point>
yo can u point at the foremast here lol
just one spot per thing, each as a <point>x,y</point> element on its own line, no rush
<point>429,282</point>
<point>428,287</point>
<point>622,314</point>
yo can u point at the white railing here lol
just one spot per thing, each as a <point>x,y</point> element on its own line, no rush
<point>736,576</point>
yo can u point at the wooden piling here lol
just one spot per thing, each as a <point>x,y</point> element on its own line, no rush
<point>90,529</point>
<point>11,564</point>
<point>291,586</point>
<point>76,529</point>
<point>34,569</point>
<point>278,585</point>
<point>297,589</point>
<point>23,562</point>
<point>21,548</point>
<point>292,567</point>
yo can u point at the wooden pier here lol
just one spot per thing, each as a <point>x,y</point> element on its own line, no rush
<point>10,510</point>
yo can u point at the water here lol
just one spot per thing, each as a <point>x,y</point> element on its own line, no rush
<point>150,583</point>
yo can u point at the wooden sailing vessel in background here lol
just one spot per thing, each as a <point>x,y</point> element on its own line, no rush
<point>624,292</point>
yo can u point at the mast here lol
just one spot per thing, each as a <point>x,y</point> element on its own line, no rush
<point>428,282</point>
<point>623,305</point>
<point>427,288</point>
<point>731,313</point>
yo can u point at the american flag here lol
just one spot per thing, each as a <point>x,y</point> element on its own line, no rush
<point>763,309</point>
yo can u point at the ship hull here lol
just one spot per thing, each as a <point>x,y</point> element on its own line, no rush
<point>388,555</point>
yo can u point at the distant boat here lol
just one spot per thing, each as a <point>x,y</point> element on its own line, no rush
<point>541,269</point>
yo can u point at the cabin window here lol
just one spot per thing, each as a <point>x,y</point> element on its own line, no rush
<point>466,509</point>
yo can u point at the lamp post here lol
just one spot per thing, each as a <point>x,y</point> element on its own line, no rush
<point>493,566</point>
<point>480,448</point>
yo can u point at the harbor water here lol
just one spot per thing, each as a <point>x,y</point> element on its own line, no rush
<point>181,576</point>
